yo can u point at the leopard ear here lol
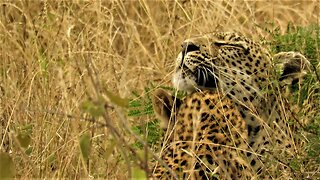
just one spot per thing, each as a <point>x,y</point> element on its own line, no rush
<point>164,106</point>
<point>293,66</point>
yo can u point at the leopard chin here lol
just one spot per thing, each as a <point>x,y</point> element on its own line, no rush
<point>190,84</point>
<point>184,83</point>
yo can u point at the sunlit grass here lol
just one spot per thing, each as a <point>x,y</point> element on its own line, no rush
<point>54,56</point>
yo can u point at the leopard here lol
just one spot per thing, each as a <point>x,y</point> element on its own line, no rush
<point>241,69</point>
<point>231,84</point>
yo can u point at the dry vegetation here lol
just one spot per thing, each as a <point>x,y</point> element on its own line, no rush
<point>56,55</point>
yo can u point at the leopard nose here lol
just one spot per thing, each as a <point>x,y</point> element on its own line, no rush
<point>189,47</point>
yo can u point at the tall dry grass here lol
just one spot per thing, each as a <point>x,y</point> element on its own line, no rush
<point>56,54</point>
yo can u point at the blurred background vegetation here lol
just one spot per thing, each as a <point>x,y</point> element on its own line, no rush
<point>76,77</point>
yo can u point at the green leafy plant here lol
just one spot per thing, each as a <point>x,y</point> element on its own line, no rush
<point>7,168</point>
<point>142,106</point>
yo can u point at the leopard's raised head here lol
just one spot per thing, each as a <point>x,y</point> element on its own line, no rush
<point>226,61</point>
